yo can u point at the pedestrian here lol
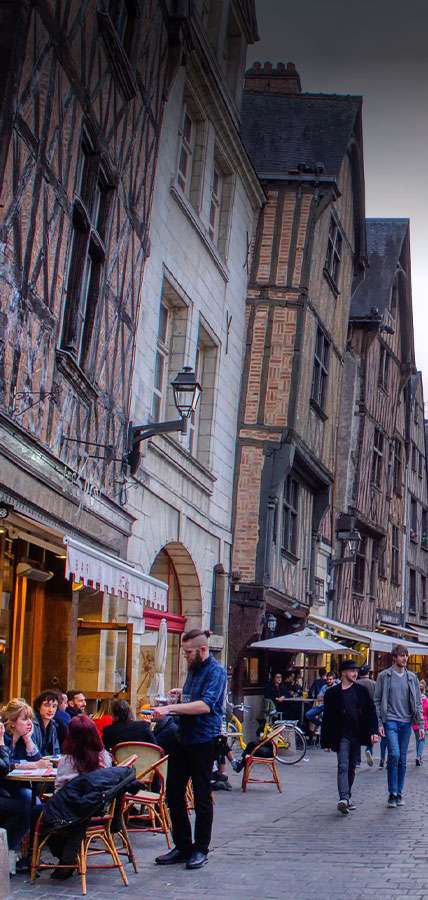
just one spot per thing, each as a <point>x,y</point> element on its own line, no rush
<point>420,742</point>
<point>349,720</point>
<point>398,705</point>
<point>199,710</point>
<point>367,682</point>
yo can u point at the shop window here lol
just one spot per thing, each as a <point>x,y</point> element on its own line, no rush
<point>359,575</point>
<point>377,458</point>
<point>395,555</point>
<point>290,516</point>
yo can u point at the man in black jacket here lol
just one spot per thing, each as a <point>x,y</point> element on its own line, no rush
<point>349,720</point>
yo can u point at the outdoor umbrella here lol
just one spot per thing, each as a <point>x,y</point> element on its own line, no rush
<point>305,641</point>
<point>157,687</point>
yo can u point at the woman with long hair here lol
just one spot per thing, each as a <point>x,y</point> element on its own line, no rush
<point>83,751</point>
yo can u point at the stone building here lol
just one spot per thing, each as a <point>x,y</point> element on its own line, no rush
<point>310,248</point>
<point>83,93</point>
<point>206,202</point>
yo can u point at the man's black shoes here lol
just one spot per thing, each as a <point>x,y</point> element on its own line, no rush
<point>173,857</point>
<point>197,860</point>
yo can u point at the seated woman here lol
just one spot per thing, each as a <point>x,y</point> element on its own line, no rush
<point>45,728</point>
<point>83,752</point>
<point>19,749</point>
<point>124,727</point>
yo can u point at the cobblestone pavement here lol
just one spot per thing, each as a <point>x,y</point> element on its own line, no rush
<point>270,845</point>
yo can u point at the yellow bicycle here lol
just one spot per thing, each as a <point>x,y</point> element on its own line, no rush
<point>291,745</point>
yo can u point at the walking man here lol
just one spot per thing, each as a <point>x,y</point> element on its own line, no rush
<point>349,720</point>
<point>199,710</point>
<point>398,705</point>
<point>369,684</point>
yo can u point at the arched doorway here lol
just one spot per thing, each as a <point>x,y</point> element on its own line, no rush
<point>173,565</point>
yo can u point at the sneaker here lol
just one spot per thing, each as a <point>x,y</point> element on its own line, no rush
<point>351,804</point>
<point>418,761</point>
<point>400,801</point>
<point>381,763</point>
<point>343,807</point>
<point>235,765</point>
<point>392,801</point>
<point>369,757</point>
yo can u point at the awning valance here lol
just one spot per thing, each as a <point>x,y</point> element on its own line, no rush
<point>113,575</point>
<point>376,640</point>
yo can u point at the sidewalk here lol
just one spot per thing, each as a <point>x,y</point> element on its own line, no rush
<point>269,845</point>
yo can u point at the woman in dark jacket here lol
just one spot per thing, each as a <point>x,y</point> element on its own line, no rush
<point>45,731</point>
<point>124,727</point>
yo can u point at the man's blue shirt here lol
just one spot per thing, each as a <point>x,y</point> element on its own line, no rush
<point>207,683</point>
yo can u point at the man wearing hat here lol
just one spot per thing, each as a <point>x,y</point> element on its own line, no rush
<point>349,720</point>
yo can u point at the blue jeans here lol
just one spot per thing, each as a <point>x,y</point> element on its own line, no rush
<point>383,746</point>
<point>398,736</point>
<point>420,744</point>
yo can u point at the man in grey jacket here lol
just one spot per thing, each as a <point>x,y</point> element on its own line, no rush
<point>398,705</point>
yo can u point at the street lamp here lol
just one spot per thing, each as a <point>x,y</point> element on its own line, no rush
<point>186,391</point>
<point>271,623</point>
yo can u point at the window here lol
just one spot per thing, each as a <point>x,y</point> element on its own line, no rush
<point>87,257</point>
<point>413,519</point>
<point>320,371</point>
<point>186,152</point>
<point>397,467</point>
<point>191,155</point>
<point>423,597</point>
<point>334,252</point>
<point>424,535</point>
<point>319,589</point>
<point>416,413</point>
<point>122,13</point>
<point>290,516</point>
<point>394,297</point>
<point>170,348</point>
<point>377,458</point>
<point>395,555</point>
<point>383,368</point>
<point>414,455</point>
<point>421,465</point>
<point>202,420</point>
<point>374,568</point>
<point>359,575</point>
<point>215,204</point>
<point>412,591</point>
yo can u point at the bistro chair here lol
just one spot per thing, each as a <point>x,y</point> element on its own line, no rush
<point>269,761</point>
<point>150,762</point>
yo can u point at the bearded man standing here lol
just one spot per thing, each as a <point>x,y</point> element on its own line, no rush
<point>199,709</point>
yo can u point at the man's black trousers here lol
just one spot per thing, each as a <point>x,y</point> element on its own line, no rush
<point>193,761</point>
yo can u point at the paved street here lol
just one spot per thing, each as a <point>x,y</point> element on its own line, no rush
<point>295,844</point>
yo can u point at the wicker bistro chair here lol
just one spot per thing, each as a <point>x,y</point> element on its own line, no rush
<point>150,762</point>
<point>252,760</point>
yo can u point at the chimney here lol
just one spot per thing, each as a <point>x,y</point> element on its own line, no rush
<point>284,79</point>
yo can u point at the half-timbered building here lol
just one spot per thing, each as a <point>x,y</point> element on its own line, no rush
<point>206,203</point>
<point>81,107</point>
<point>309,249</point>
<point>381,478</point>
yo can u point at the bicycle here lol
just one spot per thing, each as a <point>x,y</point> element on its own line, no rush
<point>291,744</point>
<point>234,728</point>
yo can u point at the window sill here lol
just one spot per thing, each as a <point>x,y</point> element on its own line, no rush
<point>118,57</point>
<point>319,411</point>
<point>287,554</point>
<point>75,375</point>
<point>332,284</point>
<point>193,217</point>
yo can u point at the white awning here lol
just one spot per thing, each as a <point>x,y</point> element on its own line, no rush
<point>376,640</point>
<point>113,575</point>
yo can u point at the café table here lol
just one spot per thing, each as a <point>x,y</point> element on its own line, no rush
<point>34,776</point>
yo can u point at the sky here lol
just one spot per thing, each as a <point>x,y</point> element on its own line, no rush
<point>379,49</point>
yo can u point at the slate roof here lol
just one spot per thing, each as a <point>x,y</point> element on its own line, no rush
<point>281,131</point>
<point>385,239</point>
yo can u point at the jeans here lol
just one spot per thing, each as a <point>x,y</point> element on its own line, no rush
<point>17,813</point>
<point>383,747</point>
<point>193,761</point>
<point>348,755</point>
<point>420,744</point>
<point>398,736</point>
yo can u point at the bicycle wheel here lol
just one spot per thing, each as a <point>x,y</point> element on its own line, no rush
<point>233,736</point>
<point>291,746</point>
